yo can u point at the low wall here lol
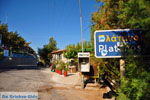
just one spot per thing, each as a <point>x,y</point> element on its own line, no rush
<point>15,61</point>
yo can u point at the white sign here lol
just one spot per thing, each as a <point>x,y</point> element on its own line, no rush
<point>18,95</point>
<point>6,53</point>
<point>85,67</point>
<point>83,54</point>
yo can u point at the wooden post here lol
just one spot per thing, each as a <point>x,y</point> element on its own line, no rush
<point>122,67</point>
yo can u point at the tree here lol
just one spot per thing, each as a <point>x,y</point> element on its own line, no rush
<point>106,18</point>
<point>72,50</point>
<point>13,41</point>
<point>135,14</point>
<point>47,49</point>
<point>130,14</point>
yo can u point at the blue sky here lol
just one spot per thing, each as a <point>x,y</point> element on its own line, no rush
<point>37,20</point>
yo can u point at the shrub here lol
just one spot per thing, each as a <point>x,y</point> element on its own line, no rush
<point>1,55</point>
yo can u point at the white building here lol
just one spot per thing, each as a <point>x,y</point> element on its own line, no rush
<point>58,56</point>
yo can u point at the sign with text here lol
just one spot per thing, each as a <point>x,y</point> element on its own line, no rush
<point>83,54</point>
<point>19,96</point>
<point>107,42</point>
<point>84,61</point>
<point>6,53</point>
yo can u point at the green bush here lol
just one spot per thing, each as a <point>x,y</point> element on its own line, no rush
<point>135,84</point>
<point>60,65</point>
<point>66,69</point>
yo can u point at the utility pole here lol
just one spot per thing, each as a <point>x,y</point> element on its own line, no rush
<point>81,29</point>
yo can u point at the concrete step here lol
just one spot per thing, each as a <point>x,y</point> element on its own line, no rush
<point>92,85</point>
<point>89,86</point>
<point>92,88</point>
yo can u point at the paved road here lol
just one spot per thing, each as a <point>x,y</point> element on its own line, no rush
<point>22,79</point>
<point>39,80</point>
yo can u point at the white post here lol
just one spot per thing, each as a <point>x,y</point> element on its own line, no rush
<point>122,67</point>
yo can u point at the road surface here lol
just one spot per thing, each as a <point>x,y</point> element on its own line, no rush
<point>46,83</point>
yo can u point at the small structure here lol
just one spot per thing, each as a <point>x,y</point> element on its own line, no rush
<point>58,56</point>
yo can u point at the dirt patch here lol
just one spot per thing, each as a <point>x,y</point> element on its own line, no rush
<point>49,85</point>
<point>45,89</point>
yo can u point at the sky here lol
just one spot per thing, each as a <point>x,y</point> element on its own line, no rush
<point>38,20</point>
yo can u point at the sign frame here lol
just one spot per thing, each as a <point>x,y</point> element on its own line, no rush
<point>106,31</point>
<point>81,57</point>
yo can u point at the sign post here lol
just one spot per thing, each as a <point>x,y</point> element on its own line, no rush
<point>122,68</point>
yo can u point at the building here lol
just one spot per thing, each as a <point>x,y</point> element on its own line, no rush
<point>58,56</point>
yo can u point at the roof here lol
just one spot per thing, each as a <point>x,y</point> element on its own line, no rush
<point>58,51</point>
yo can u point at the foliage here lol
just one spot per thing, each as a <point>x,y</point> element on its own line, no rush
<point>72,50</point>
<point>130,14</point>
<point>109,69</point>
<point>14,42</point>
<point>67,64</point>
<point>135,14</point>
<point>106,18</point>
<point>60,65</point>
<point>59,68</point>
<point>66,69</point>
<point>46,50</point>
<point>1,55</point>
<point>135,85</point>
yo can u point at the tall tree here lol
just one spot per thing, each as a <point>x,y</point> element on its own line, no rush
<point>47,49</point>
<point>13,41</point>
<point>72,50</point>
<point>130,14</point>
